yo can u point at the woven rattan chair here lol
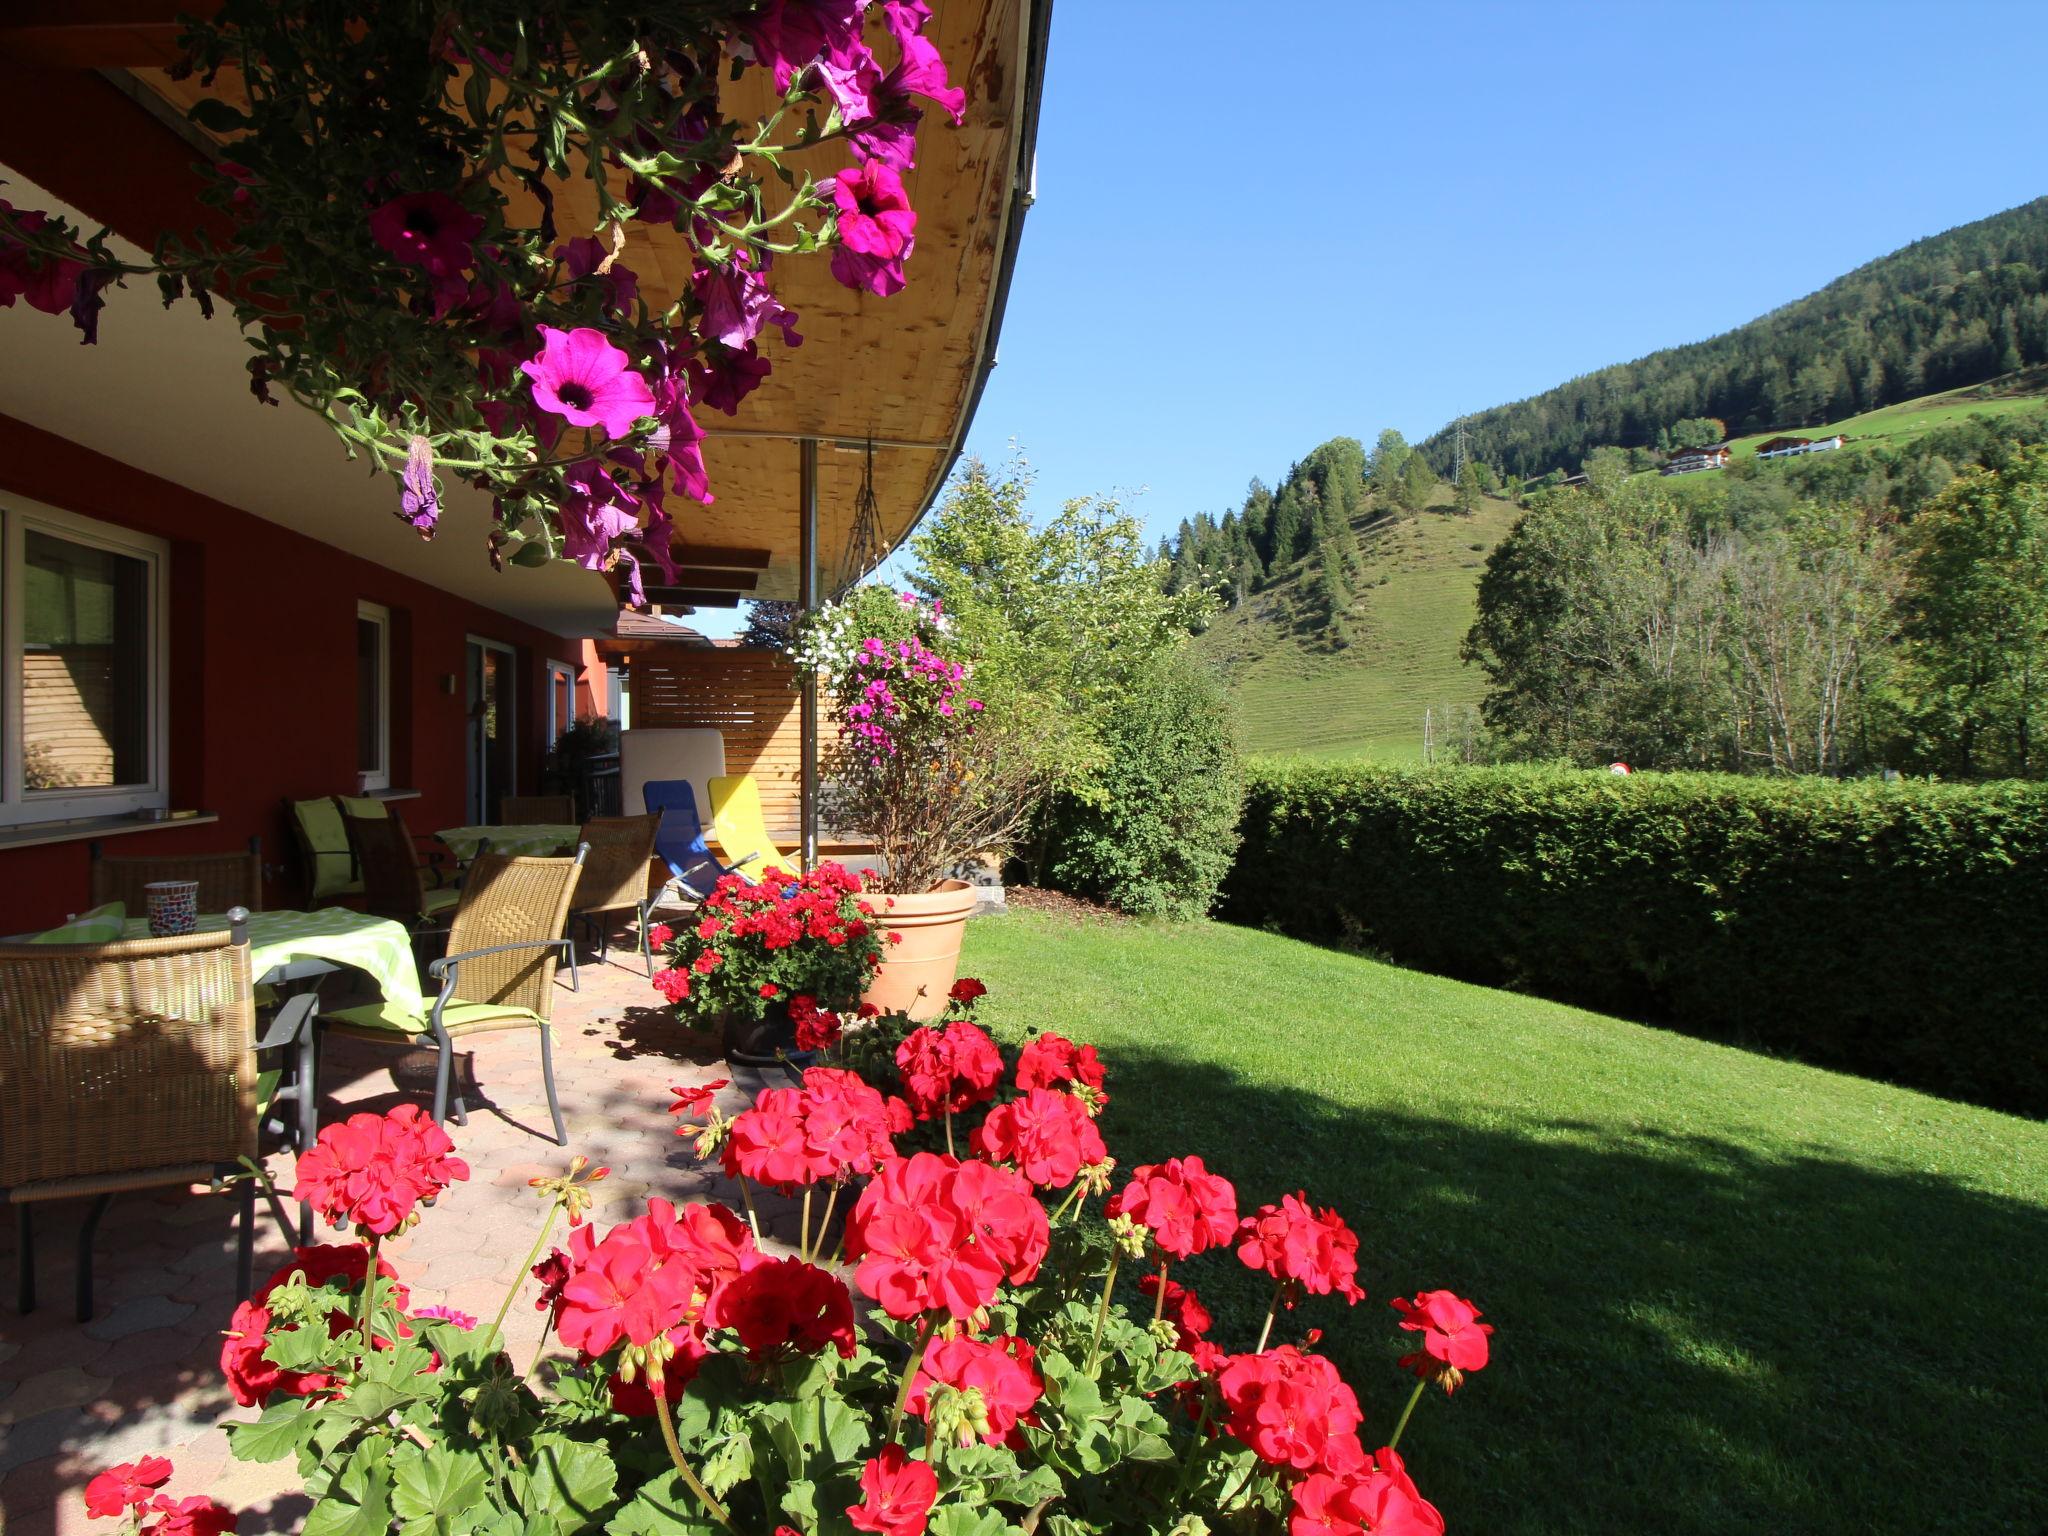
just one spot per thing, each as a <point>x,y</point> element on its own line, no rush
<point>226,880</point>
<point>615,879</point>
<point>536,810</point>
<point>129,1066</point>
<point>498,974</point>
<point>395,883</point>
<point>326,862</point>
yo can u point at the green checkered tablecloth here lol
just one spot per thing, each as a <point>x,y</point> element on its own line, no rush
<point>374,945</point>
<point>541,839</point>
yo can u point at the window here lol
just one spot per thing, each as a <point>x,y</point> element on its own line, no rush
<point>81,644</point>
<point>373,697</point>
<point>561,700</point>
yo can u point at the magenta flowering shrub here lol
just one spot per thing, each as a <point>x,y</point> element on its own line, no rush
<point>394,256</point>
<point>920,766</point>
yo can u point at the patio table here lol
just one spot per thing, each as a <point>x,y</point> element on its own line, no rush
<point>541,839</point>
<point>280,944</point>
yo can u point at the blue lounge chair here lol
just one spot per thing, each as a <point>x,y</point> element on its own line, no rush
<point>680,842</point>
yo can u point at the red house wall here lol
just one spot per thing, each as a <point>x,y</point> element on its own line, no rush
<point>262,699</point>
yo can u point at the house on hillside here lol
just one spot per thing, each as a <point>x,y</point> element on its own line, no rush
<point>1688,460</point>
<point>1788,447</point>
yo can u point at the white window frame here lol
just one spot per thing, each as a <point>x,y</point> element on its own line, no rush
<point>380,776</point>
<point>562,675</point>
<point>19,805</point>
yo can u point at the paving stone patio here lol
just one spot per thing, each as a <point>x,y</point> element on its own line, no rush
<point>143,1376</point>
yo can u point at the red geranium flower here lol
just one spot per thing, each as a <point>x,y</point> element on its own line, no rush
<point>692,1102</point>
<point>1047,1061</point>
<point>370,1171</point>
<point>707,962</point>
<point>1295,1243</point>
<point>1004,1370</point>
<point>649,1276</point>
<point>1381,1500</point>
<point>659,934</point>
<point>768,1144</point>
<point>783,1305</point>
<point>847,1122</point>
<point>196,1516</point>
<point>1454,1341</point>
<point>118,1489</point>
<point>897,1494</point>
<point>1293,1409</point>
<point>251,1378</point>
<point>672,984</point>
<point>1188,1209</point>
<point>967,991</point>
<point>1048,1135</point>
<point>1182,1308</point>
<point>949,1070</point>
<point>932,1232</point>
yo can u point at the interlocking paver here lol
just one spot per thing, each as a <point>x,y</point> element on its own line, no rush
<point>142,1376</point>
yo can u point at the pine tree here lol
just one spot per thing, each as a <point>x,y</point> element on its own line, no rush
<point>1389,459</point>
<point>1418,480</point>
<point>1468,492</point>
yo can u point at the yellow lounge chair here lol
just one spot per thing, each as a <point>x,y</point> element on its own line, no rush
<point>739,828</point>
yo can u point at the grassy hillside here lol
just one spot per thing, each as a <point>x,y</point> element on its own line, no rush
<point>2009,395</point>
<point>1415,603</point>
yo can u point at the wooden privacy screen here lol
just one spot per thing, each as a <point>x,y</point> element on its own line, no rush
<point>750,697</point>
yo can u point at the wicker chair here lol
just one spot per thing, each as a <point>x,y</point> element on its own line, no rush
<point>498,974</point>
<point>536,810</point>
<point>130,1066</point>
<point>615,879</point>
<point>395,883</point>
<point>226,880</point>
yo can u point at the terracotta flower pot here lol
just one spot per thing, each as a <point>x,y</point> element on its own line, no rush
<point>917,973</point>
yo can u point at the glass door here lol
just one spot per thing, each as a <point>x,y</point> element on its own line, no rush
<point>492,729</point>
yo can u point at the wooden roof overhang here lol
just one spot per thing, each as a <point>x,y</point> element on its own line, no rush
<point>903,373</point>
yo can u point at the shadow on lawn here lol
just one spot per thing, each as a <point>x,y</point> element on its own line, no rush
<point>1692,1337</point>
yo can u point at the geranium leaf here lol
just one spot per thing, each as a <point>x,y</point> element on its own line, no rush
<point>959,1520</point>
<point>662,1506</point>
<point>282,1429</point>
<point>358,1501</point>
<point>437,1492</point>
<point>729,1462</point>
<point>569,1480</point>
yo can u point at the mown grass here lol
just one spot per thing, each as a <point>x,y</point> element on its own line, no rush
<point>1733,1293</point>
<point>2012,395</point>
<point>1416,599</point>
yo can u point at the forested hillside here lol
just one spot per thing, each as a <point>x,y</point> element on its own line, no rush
<point>1951,310</point>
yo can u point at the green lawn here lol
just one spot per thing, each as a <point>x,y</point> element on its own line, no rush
<point>1732,1293</point>
<point>2020,392</point>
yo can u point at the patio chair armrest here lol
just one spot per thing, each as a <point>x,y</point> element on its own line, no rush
<point>291,1021</point>
<point>446,966</point>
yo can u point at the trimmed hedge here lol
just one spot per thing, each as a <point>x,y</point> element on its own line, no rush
<point>1898,930</point>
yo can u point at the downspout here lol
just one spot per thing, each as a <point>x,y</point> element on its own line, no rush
<point>807,600</point>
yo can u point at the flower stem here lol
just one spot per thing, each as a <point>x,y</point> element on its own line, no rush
<point>949,1135</point>
<point>1072,1195</point>
<point>1394,1443</point>
<point>519,1280</point>
<point>803,1229</point>
<point>924,1328</point>
<point>754,1221</point>
<point>1159,1301</point>
<point>1272,1308</point>
<point>825,1225</point>
<point>675,1454</point>
<point>1102,1312</point>
<point>369,1297</point>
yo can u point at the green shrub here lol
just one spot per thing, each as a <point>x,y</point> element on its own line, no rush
<point>1891,929</point>
<point>1153,828</point>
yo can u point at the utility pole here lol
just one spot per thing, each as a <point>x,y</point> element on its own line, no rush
<point>1458,451</point>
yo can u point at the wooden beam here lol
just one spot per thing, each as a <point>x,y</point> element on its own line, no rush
<point>725,556</point>
<point>711,576</point>
<point>96,34</point>
<point>695,597</point>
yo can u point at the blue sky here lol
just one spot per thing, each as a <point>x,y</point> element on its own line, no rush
<point>1259,227</point>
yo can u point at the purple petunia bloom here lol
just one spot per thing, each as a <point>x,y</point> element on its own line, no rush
<point>585,256</point>
<point>596,512</point>
<point>418,502</point>
<point>877,228</point>
<point>724,376</point>
<point>738,303</point>
<point>585,380</point>
<point>785,36</point>
<point>679,441</point>
<point>428,230</point>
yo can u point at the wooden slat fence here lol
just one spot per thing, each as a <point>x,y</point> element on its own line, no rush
<point>750,697</point>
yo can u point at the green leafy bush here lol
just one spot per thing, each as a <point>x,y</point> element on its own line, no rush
<point>1892,929</point>
<point>1154,827</point>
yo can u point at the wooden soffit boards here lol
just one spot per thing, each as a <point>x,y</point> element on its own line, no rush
<point>900,370</point>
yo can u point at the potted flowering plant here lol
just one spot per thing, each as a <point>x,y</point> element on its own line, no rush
<point>771,962</point>
<point>922,769</point>
<point>954,1358</point>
